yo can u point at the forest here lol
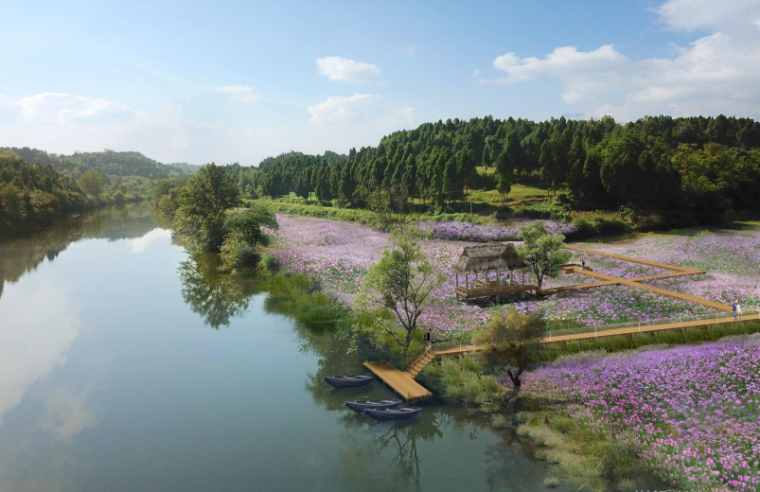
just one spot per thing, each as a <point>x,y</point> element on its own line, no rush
<point>38,188</point>
<point>695,168</point>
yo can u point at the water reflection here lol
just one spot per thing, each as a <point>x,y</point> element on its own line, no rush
<point>22,255</point>
<point>215,295</point>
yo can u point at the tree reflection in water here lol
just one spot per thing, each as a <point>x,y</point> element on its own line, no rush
<point>215,295</point>
<point>18,256</point>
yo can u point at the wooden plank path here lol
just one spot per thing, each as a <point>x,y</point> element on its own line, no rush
<point>634,260</point>
<point>401,382</point>
<point>630,330</point>
<point>404,384</point>
<point>658,290</point>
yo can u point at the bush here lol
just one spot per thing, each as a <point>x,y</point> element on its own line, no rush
<point>237,254</point>
<point>268,263</point>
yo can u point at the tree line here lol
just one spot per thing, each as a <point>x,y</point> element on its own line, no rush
<point>697,166</point>
<point>37,188</point>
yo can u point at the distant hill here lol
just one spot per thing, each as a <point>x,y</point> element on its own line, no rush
<point>185,168</point>
<point>107,162</point>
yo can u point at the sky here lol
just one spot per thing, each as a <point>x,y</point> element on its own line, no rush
<point>196,82</point>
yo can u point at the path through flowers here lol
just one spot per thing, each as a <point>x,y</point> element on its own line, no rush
<point>338,254</point>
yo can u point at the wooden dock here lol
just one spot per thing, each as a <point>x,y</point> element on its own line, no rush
<point>401,382</point>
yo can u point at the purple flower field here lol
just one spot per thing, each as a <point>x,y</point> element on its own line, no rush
<point>338,254</point>
<point>692,414</point>
<point>465,231</point>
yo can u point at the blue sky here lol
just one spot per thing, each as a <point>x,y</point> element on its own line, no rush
<point>239,81</point>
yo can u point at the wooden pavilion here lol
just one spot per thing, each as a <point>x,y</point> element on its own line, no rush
<point>482,261</point>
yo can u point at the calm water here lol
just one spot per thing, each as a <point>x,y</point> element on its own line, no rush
<point>126,366</point>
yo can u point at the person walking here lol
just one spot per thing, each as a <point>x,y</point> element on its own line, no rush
<point>583,264</point>
<point>428,337</point>
<point>734,307</point>
<point>738,310</point>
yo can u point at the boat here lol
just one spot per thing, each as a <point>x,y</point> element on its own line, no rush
<point>393,413</point>
<point>350,381</point>
<point>360,406</point>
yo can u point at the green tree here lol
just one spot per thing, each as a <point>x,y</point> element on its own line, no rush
<point>248,223</point>
<point>203,202</point>
<point>91,183</point>
<point>398,289</point>
<point>543,253</point>
<point>512,344</point>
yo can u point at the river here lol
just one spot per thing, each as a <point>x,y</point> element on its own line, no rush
<point>127,366</point>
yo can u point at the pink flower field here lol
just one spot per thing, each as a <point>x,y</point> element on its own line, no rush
<point>338,254</point>
<point>692,414</point>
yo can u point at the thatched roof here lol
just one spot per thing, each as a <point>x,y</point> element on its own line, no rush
<point>487,258</point>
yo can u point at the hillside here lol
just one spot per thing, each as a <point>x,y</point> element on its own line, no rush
<point>107,162</point>
<point>34,195</point>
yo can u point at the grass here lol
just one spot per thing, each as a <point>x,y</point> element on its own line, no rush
<point>298,296</point>
<point>463,380</point>
<point>620,343</point>
<point>361,216</point>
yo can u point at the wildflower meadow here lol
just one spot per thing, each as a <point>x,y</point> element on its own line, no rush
<point>338,254</point>
<point>690,414</point>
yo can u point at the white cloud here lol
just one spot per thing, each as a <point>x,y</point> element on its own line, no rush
<point>67,123</point>
<point>61,107</point>
<point>67,413</point>
<point>140,244</point>
<point>718,73</point>
<point>409,49</point>
<point>239,93</point>
<point>353,72</point>
<point>33,341</point>
<point>360,109</point>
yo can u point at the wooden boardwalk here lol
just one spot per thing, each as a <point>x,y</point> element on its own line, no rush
<point>634,260</point>
<point>405,385</point>
<point>401,382</point>
<point>631,330</point>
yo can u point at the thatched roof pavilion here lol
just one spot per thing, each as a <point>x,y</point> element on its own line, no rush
<point>484,259</point>
<point>489,257</point>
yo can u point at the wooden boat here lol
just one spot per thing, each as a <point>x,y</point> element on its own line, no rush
<point>350,381</point>
<point>393,413</point>
<point>360,406</point>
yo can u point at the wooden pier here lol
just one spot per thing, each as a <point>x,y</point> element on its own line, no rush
<point>402,382</point>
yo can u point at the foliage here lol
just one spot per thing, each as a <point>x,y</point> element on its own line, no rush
<point>107,162</point>
<point>543,253</point>
<point>33,196</point>
<point>389,207</point>
<point>463,379</point>
<point>91,182</point>
<point>398,288</point>
<point>238,254</point>
<point>211,292</point>
<point>685,169</point>
<point>248,223</point>
<point>203,202</point>
<point>512,343</point>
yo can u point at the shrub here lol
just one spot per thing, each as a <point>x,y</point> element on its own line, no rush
<point>237,254</point>
<point>499,421</point>
<point>268,263</point>
<point>551,481</point>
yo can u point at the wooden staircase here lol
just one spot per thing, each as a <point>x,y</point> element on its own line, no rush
<point>419,364</point>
